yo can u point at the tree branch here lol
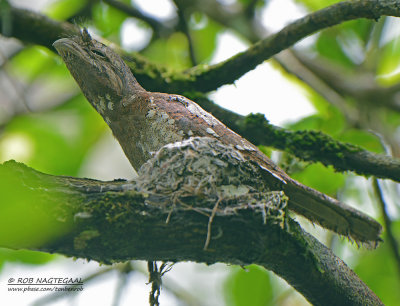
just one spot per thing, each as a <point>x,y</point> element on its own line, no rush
<point>394,246</point>
<point>32,27</point>
<point>233,68</point>
<point>183,25</point>
<point>160,28</point>
<point>118,221</point>
<point>253,30</point>
<point>307,145</point>
<point>207,78</point>
<point>361,86</point>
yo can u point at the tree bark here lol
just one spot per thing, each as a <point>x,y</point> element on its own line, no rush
<point>35,28</point>
<point>118,220</point>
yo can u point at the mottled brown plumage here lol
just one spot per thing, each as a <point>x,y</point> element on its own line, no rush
<point>145,121</point>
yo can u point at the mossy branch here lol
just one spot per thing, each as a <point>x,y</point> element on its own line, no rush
<point>33,27</point>
<point>311,146</point>
<point>315,146</point>
<point>212,77</point>
<point>108,222</point>
<point>38,29</point>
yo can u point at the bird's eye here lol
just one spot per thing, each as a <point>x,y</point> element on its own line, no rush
<point>99,53</point>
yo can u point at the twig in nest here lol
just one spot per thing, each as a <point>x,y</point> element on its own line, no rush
<point>210,220</point>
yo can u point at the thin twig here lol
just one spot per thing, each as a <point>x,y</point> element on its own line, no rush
<point>233,68</point>
<point>260,131</point>
<point>212,77</point>
<point>124,272</point>
<point>393,244</point>
<point>155,279</point>
<point>296,256</point>
<point>210,221</point>
<point>185,29</point>
<point>161,28</point>
<point>13,83</point>
<point>51,298</point>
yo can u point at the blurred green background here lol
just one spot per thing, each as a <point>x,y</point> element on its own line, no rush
<point>46,122</point>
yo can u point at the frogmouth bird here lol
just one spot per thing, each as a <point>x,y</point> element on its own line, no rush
<point>144,121</point>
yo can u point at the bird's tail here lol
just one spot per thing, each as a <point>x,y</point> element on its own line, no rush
<point>332,214</point>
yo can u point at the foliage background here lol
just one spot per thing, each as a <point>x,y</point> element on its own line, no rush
<point>46,123</point>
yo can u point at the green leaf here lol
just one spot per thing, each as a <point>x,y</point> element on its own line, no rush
<point>33,62</point>
<point>322,178</point>
<point>343,43</point>
<point>108,20</point>
<point>328,118</point>
<point>313,122</point>
<point>251,286</point>
<point>389,63</point>
<point>54,142</point>
<point>63,9</point>
<point>328,46</point>
<point>363,28</point>
<point>392,119</point>
<point>363,139</point>
<point>266,150</point>
<point>26,214</point>
<point>172,51</point>
<point>314,5</point>
<point>204,34</point>
<point>24,256</point>
<point>245,2</point>
<point>378,269</point>
<point>331,123</point>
